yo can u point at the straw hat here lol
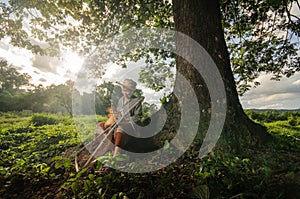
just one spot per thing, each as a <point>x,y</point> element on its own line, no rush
<point>129,84</point>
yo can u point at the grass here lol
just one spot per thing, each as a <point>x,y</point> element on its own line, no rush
<point>32,155</point>
<point>26,150</point>
<point>283,128</point>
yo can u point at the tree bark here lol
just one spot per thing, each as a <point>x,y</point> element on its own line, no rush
<point>201,20</point>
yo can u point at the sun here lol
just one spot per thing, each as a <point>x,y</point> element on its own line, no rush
<point>72,62</point>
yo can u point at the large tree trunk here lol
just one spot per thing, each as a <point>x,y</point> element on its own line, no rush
<point>201,20</point>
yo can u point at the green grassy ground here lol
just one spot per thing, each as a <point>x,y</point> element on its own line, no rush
<point>35,162</point>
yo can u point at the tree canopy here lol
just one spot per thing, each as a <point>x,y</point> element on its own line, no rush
<point>10,79</point>
<point>262,36</point>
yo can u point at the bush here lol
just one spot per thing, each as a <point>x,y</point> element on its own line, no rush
<point>273,116</point>
<point>40,120</point>
<point>293,121</point>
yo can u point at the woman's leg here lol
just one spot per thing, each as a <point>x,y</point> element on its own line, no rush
<point>118,142</point>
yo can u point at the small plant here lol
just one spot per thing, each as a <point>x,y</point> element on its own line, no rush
<point>42,158</point>
<point>40,120</point>
<point>293,121</point>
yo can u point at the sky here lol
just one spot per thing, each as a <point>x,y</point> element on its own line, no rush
<point>43,70</point>
<point>283,94</point>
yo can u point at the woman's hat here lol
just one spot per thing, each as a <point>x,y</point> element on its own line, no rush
<point>129,84</point>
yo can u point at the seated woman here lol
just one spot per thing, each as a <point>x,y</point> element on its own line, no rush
<point>130,115</point>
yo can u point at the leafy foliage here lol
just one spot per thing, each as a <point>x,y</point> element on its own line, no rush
<point>272,115</point>
<point>284,126</point>
<point>10,79</point>
<point>261,35</point>
<point>27,151</point>
<point>53,98</point>
<point>40,120</point>
<point>41,157</point>
<point>105,94</point>
<point>259,173</point>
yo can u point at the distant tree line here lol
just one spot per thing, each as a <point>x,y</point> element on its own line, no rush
<point>273,115</point>
<point>18,94</point>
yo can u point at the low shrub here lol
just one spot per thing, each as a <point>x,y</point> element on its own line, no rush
<point>293,121</point>
<point>40,120</point>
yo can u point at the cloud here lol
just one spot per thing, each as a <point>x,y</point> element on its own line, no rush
<point>272,106</point>
<point>84,83</point>
<point>4,46</point>
<point>14,55</point>
<point>45,63</point>
<point>283,94</point>
<point>296,82</point>
<point>42,80</point>
<point>40,68</point>
<point>265,99</point>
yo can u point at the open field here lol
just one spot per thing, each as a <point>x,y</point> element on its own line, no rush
<point>36,161</point>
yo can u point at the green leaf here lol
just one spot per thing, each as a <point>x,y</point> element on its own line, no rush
<point>87,184</point>
<point>79,174</point>
<point>57,158</point>
<point>75,187</point>
<point>115,196</point>
<point>91,176</point>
